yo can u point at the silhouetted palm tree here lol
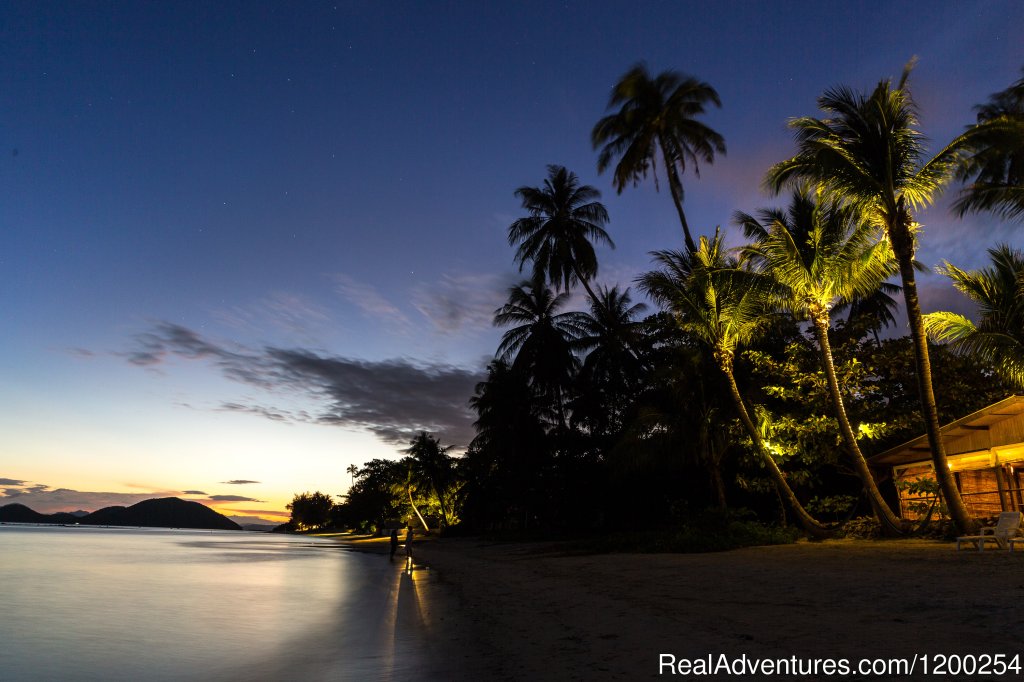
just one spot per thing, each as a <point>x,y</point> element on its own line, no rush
<point>612,369</point>
<point>652,118</point>
<point>559,234</point>
<point>999,293</point>
<point>821,254</point>
<point>995,167</point>
<point>870,155</point>
<point>724,308</point>
<point>541,343</point>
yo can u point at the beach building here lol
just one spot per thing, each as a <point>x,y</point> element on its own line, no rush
<point>985,451</point>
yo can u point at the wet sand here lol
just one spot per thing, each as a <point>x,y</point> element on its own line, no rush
<point>534,612</point>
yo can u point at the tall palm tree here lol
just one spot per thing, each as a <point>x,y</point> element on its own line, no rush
<point>870,155</point>
<point>652,118</point>
<point>995,167</point>
<point>565,219</point>
<point>541,342</point>
<point>724,308</point>
<point>999,293</point>
<point>821,254</point>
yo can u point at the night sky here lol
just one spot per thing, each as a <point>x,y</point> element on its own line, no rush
<point>244,245</point>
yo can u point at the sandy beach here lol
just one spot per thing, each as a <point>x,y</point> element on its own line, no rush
<point>533,611</point>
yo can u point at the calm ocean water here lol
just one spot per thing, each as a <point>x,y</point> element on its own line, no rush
<point>115,604</point>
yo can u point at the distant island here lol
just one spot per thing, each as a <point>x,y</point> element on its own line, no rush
<point>166,512</point>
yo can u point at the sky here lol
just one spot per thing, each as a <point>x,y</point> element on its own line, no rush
<point>244,245</point>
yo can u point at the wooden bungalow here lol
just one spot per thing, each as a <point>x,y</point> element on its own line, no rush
<point>985,451</point>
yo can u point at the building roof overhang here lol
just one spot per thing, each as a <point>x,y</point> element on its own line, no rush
<point>918,449</point>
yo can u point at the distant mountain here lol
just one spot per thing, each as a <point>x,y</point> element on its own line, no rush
<point>167,512</point>
<point>254,523</point>
<point>19,513</point>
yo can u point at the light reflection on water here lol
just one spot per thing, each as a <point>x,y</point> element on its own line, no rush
<point>105,604</point>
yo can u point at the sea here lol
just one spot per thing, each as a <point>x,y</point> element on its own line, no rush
<point>88,603</point>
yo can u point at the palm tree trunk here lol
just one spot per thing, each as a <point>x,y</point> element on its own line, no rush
<point>675,187</point>
<point>903,247</point>
<point>413,505</point>
<point>806,521</point>
<point>586,285</point>
<point>882,511</point>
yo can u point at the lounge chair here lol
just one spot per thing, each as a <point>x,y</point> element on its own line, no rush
<point>1003,533</point>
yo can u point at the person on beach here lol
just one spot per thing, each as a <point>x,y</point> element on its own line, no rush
<point>394,543</point>
<point>408,546</point>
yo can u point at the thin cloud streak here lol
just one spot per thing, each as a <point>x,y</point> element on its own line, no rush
<point>393,399</point>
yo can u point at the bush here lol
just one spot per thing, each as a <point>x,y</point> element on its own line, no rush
<point>861,528</point>
<point>713,530</point>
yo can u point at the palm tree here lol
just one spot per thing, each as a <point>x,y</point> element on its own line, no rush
<point>612,369</point>
<point>433,468</point>
<point>652,118</point>
<point>565,219</point>
<point>999,293</point>
<point>874,311</point>
<point>995,166</point>
<point>511,450</point>
<point>541,343</point>
<point>352,470</point>
<point>724,308</point>
<point>821,254</point>
<point>870,155</point>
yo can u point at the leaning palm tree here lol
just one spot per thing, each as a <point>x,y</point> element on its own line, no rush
<point>995,167</point>
<point>541,343</point>
<point>652,118</point>
<point>870,155</point>
<point>999,293</point>
<point>819,255</point>
<point>724,308</point>
<point>558,235</point>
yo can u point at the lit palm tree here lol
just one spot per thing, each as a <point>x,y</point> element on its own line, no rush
<point>724,308</point>
<point>995,167</point>
<point>998,291</point>
<point>652,118</point>
<point>541,343</point>
<point>433,469</point>
<point>821,254</point>
<point>870,155</point>
<point>559,234</point>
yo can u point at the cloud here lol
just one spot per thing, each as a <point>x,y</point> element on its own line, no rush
<point>239,481</point>
<point>284,311</point>
<point>394,399</point>
<point>193,492</point>
<point>462,303</point>
<point>45,501</point>
<point>232,498</point>
<point>11,481</point>
<point>370,301</point>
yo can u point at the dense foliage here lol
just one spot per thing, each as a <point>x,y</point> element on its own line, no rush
<point>761,386</point>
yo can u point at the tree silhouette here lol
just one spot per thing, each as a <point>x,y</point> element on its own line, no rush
<point>656,117</point>
<point>565,219</point>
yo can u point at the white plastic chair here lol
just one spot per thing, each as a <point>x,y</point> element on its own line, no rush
<point>1003,533</point>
